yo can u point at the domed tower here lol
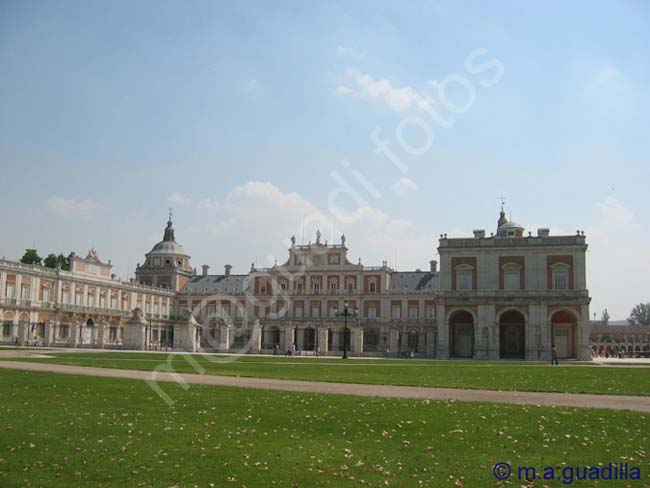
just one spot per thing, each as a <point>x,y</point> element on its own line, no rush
<point>167,265</point>
<point>506,228</point>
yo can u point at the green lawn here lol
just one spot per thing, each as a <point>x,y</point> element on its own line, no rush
<point>521,376</point>
<point>60,430</point>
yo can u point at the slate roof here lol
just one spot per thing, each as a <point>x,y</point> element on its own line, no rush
<point>217,284</point>
<point>401,281</point>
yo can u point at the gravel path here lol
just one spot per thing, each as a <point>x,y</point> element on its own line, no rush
<point>614,402</point>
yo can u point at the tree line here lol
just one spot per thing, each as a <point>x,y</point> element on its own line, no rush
<point>50,261</point>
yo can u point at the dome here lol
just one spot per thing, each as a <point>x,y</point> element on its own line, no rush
<point>511,225</point>
<point>168,247</point>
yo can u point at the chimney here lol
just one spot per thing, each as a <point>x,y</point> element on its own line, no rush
<point>433,264</point>
<point>479,233</point>
<point>226,269</point>
<point>543,232</point>
<point>205,268</point>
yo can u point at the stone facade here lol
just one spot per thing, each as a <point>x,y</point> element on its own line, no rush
<point>504,296</point>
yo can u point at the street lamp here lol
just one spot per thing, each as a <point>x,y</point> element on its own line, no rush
<point>345,313</point>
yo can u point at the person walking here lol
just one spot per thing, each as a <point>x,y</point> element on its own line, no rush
<point>554,360</point>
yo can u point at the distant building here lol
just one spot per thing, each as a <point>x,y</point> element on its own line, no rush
<point>507,295</point>
<point>614,340</point>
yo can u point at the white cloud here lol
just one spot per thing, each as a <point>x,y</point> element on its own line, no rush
<point>179,199</point>
<point>404,186</point>
<point>255,221</point>
<point>64,207</point>
<point>399,99</point>
<point>614,212</point>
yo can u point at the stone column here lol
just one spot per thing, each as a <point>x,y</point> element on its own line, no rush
<point>23,333</point>
<point>393,341</point>
<point>583,346</point>
<point>224,338</point>
<point>73,340</point>
<point>538,330</point>
<point>443,332</point>
<point>323,337</point>
<point>485,348</point>
<point>431,342</point>
<point>50,327</point>
<point>289,337</point>
<point>357,340</point>
<point>102,334</point>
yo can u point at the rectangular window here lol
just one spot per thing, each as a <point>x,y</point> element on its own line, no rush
<point>315,312</point>
<point>413,312</point>
<point>91,299</point>
<point>560,280</point>
<point>511,280</point>
<point>350,287</point>
<point>464,280</point>
<point>25,292</point>
<point>298,312</point>
<point>429,311</point>
<point>102,301</point>
<point>164,309</point>
<point>263,289</point>
<point>40,330</point>
<point>147,307</point>
<point>155,308</point>
<point>64,331</point>
<point>79,298</point>
<point>283,286</point>
<point>6,330</point>
<point>112,334</point>
<point>372,313</point>
<point>46,294</point>
<point>333,286</point>
<point>300,287</point>
<point>396,312</point>
<point>11,290</point>
<point>65,296</point>
<point>373,287</point>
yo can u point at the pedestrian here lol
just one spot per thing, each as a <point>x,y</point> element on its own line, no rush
<point>276,349</point>
<point>554,360</point>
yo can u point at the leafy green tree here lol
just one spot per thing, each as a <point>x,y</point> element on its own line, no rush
<point>640,314</point>
<point>604,318</point>
<point>50,261</point>
<point>31,257</point>
<point>53,261</point>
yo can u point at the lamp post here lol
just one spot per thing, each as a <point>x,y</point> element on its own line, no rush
<point>345,313</point>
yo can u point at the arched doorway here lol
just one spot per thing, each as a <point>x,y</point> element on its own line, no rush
<point>563,327</point>
<point>309,339</point>
<point>270,337</point>
<point>461,334</point>
<point>512,335</point>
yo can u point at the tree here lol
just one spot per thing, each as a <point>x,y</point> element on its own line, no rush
<point>31,257</point>
<point>54,261</point>
<point>604,318</point>
<point>640,314</point>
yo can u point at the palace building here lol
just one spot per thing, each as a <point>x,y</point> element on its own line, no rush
<point>509,295</point>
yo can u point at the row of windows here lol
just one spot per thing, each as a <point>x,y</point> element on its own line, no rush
<point>512,279</point>
<point>316,287</point>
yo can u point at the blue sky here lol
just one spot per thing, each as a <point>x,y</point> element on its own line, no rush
<point>236,114</point>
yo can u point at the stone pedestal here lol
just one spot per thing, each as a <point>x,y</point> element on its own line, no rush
<point>23,333</point>
<point>393,341</point>
<point>357,340</point>
<point>73,340</point>
<point>102,334</point>
<point>224,338</point>
<point>323,337</point>
<point>135,332</point>
<point>485,347</point>
<point>50,327</point>
<point>185,337</point>
<point>256,337</point>
<point>442,348</point>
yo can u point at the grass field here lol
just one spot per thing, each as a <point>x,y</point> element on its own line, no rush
<point>519,376</point>
<point>60,430</point>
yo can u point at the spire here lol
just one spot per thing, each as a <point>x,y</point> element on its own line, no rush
<point>169,230</point>
<point>502,215</point>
